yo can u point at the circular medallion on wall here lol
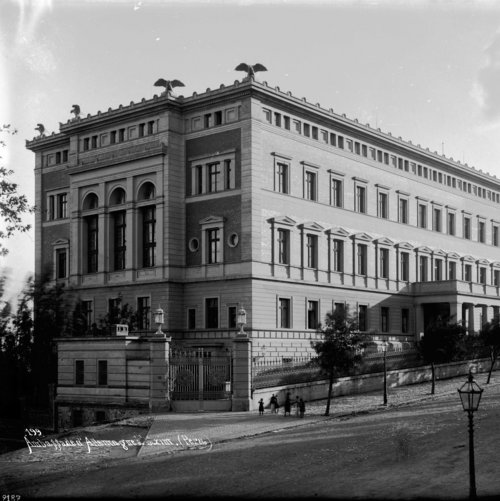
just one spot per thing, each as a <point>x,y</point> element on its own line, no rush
<point>194,244</point>
<point>233,240</point>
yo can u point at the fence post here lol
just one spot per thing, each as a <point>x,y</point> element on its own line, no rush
<point>159,350</point>
<point>242,373</point>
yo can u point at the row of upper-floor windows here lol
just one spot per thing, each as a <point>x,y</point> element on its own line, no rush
<point>57,202</point>
<point>428,267</point>
<point>214,175</point>
<point>119,135</point>
<point>214,118</point>
<point>55,158</point>
<point>377,155</point>
<point>429,214</point>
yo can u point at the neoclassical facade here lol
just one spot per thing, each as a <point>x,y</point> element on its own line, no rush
<point>248,196</point>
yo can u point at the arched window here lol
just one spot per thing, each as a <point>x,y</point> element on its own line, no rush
<point>90,202</point>
<point>147,191</point>
<point>117,197</point>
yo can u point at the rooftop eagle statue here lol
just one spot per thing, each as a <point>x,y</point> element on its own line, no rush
<point>250,69</point>
<point>76,110</point>
<point>40,128</point>
<point>168,84</point>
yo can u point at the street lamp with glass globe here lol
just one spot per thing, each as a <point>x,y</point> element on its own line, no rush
<point>470,395</point>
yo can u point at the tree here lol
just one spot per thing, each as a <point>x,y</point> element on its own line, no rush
<point>340,349</point>
<point>12,205</point>
<point>442,342</point>
<point>490,336</point>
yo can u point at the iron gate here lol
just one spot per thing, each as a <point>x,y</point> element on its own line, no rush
<point>199,375</point>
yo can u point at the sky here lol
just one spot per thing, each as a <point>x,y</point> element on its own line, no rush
<point>428,71</point>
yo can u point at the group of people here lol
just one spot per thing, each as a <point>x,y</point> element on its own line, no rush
<point>300,406</point>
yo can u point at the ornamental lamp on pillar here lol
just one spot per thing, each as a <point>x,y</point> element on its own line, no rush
<point>241,320</point>
<point>159,319</point>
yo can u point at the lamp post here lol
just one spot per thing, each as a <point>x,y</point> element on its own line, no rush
<point>384,347</point>
<point>159,319</point>
<point>470,395</point>
<point>241,320</point>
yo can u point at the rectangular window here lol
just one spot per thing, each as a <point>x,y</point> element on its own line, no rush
<point>143,313</point>
<point>86,144</point>
<point>423,268</point>
<point>218,118</point>
<point>312,251</point>
<point>496,277</point>
<point>403,210</point>
<point>452,270</point>
<point>231,317</point>
<point>338,255</point>
<point>198,179</point>
<point>229,181</point>
<point>297,126</point>
<point>467,227</point>
<point>142,129</point>
<point>191,318</point>
<point>451,223</point>
<point>282,177</point>
<point>94,141</point>
<point>384,317</point>
<point>121,135</point>
<point>314,132</point>
<point>112,137</point>
<point>336,193</point>
<point>422,216</point>
<point>362,262</point>
<point>306,130</point>
<point>87,314</point>
<point>283,246</point>
<point>361,199</point>
<point>114,310</point>
<point>51,208</point>
<point>92,244</point>
<point>267,115</point>
<point>481,231</point>
<point>151,126</point>
<point>214,175</point>
<point>436,219</point>
<point>212,313</point>
<point>340,142</point>
<point>79,372</point>
<point>61,263</point>
<point>494,236</point>
<point>213,248</point>
<point>482,275</point>
<point>468,273</point>
<point>207,120</point>
<point>62,205</point>
<point>148,236</point>
<point>333,139</point>
<point>310,185</point>
<point>384,263</point>
<point>383,205</point>
<point>102,372</point>
<point>284,316</point>
<point>404,265</point>
<point>286,122</point>
<point>438,269</point>
<point>119,249</point>
<point>362,317</point>
<point>339,309</point>
<point>405,320</point>
<point>312,314</point>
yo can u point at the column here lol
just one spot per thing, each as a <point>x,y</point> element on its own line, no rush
<point>456,312</point>
<point>419,321</point>
<point>242,374</point>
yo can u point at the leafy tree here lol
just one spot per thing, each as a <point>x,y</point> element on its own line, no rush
<point>442,342</point>
<point>340,349</point>
<point>490,336</point>
<point>12,205</point>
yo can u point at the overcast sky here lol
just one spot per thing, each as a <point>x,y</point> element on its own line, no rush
<point>426,71</point>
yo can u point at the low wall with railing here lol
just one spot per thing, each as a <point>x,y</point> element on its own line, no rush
<point>365,383</point>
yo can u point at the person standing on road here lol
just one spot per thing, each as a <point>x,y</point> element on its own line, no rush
<point>302,407</point>
<point>297,406</point>
<point>273,403</point>
<point>288,404</point>
<point>261,407</point>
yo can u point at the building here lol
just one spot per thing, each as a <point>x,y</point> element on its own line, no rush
<point>248,196</point>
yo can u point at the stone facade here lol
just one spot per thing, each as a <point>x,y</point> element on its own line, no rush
<point>246,195</point>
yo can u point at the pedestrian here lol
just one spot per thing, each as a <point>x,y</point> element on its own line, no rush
<point>302,407</point>
<point>288,404</point>
<point>273,403</point>
<point>261,407</point>
<point>297,405</point>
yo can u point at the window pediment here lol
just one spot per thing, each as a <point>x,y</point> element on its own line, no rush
<point>60,241</point>
<point>338,232</point>
<point>439,252</point>
<point>362,236</point>
<point>470,259</point>
<point>312,226</point>
<point>423,249</point>
<point>453,255</point>
<point>212,220</point>
<point>483,261</point>
<point>495,264</point>
<point>384,241</point>
<point>283,220</point>
<point>404,245</point>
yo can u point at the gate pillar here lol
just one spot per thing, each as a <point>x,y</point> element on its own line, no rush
<point>159,394</point>
<point>242,374</point>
